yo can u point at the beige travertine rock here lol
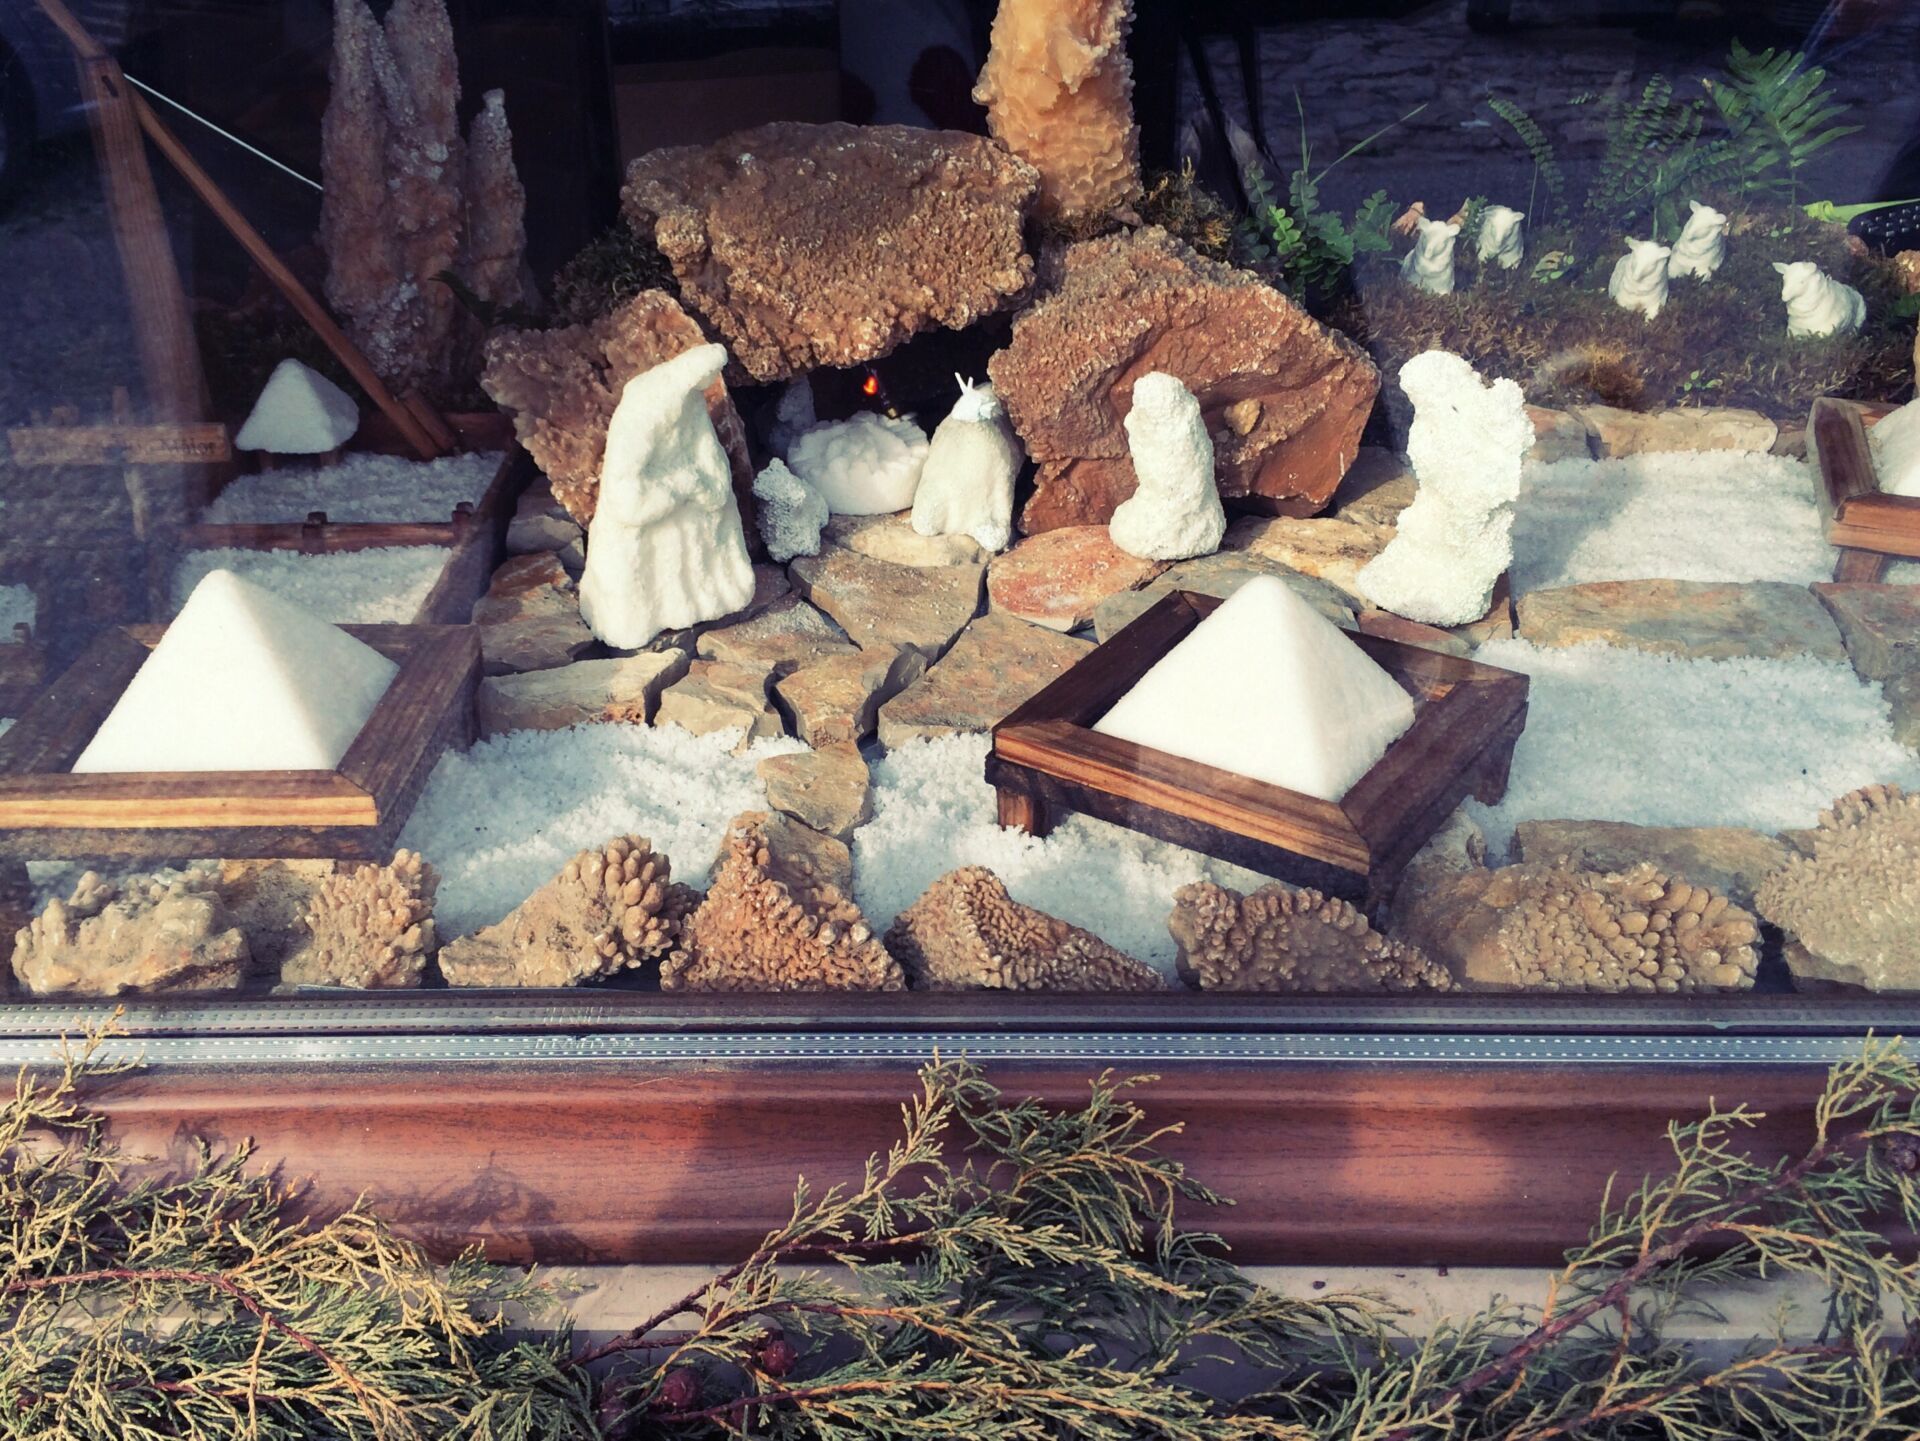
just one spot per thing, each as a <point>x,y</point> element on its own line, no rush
<point>1331,549</point>
<point>1699,620</point>
<point>771,923</point>
<point>1879,623</point>
<point>715,696</point>
<point>613,908</point>
<point>811,245</point>
<point>541,523</point>
<point>1376,488</point>
<point>1558,435</point>
<point>1726,859</point>
<point>1058,579</point>
<point>787,636</point>
<point>877,603</point>
<point>622,690</point>
<point>1219,575</point>
<point>893,539</point>
<point>1058,88</point>
<point>997,663</point>
<point>837,701</point>
<point>167,931</point>
<point>1285,940</point>
<point>496,202</point>
<point>369,927</point>
<point>826,789</point>
<point>1143,301</point>
<point>268,901</point>
<point>1614,432</point>
<point>538,640</point>
<point>527,585</point>
<point>966,933</point>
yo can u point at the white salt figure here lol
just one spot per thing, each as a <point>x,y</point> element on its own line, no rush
<point>1503,236</point>
<point>1895,442</point>
<point>1429,265</point>
<point>790,512</point>
<point>866,465</point>
<point>665,548</point>
<point>1702,245</point>
<point>1817,304</point>
<point>1639,279</point>
<point>1174,512</point>
<point>966,486</point>
<point>1466,446</point>
<point>243,680</point>
<point>299,412</point>
<point>1267,687</point>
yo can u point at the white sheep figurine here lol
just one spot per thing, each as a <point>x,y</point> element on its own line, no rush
<point>966,486</point>
<point>1639,279</point>
<point>1702,245</point>
<point>1503,237</point>
<point>1429,265</point>
<point>1817,304</point>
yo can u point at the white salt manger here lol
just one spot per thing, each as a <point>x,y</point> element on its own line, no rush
<point>1266,687</point>
<point>385,585</point>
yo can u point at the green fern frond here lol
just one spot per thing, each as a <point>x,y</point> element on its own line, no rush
<point>1546,160</point>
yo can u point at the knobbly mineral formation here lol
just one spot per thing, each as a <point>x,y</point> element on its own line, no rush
<point>370,927</point>
<point>771,922</point>
<point>1058,88</point>
<point>1852,910</point>
<point>1290,941</point>
<point>496,237</point>
<point>811,245</point>
<point>612,909</point>
<point>966,933</point>
<point>167,931</point>
<point>1284,398</point>
<point>561,387</point>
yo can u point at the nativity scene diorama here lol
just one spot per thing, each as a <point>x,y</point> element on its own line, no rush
<point>898,559</point>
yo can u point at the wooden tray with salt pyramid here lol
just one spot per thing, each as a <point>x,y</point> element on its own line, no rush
<point>1048,758</point>
<point>1869,526</point>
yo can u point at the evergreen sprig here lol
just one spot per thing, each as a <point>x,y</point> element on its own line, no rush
<point>1779,114</point>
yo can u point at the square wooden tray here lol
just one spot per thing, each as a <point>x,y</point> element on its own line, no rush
<point>1869,527</point>
<point>1046,759</point>
<point>352,813</point>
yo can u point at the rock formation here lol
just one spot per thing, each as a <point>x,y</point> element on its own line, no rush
<point>496,235</point>
<point>791,513</point>
<point>1174,512</point>
<point>560,386</point>
<point>966,484</point>
<point>811,245</point>
<point>1548,927</point>
<point>1851,910</point>
<point>1058,88</point>
<point>1429,265</point>
<point>1284,398</point>
<point>773,922</point>
<point>966,933</point>
<point>610,909</point>
<point>142,935</point>
<point>1702,244</point>
<point>1817,304</point>
<point>1639,278</point>
<point>369,927</point>
<point>1290,941</point>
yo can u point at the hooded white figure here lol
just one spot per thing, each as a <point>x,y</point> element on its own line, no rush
<point>1702,245</point>
<point>1503,236</point>
<point>1817,304</point>
<point>1639,279</point>
<point>665,548</point>
<point>1429,265</point>
<point>1175,512</point>
<point>966,485</point>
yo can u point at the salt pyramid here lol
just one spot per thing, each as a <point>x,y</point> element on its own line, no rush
<point>1267,687</point>
<point>242,681</point>
<point>299,412</point>
<point>1896,450</point>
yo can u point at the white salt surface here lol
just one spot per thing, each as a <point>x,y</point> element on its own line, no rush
<point>1626,735</point>
<point>354,587</point>
<point>933,812</point>
<point>500,820</point>
<point>358,488</point>
<point>17,607</point>
<point>1707,515</point>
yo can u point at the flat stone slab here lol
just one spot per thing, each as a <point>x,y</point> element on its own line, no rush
<point>1059,577</point>
<point>1328,549</point>
<point>1614,432</point>
<point>1903,699</point>
<point>786,636</point>
<point>1220,575</point>
<point>1376,488</point>
<point>826,789</point>
<point>997,663</point>
<point>1558,435</point>
<point>836,701</point>
<point>527,585</point>
<point>770,587</point>
<point>878,603</point>
<point>715,696</point>
<point>1728,859</point>
<point>534,642</point>
<point>1701,620</point>
<point>622,689</point>
<point>541,523</point>
<point>1880,624</point>
<point>893,539</point>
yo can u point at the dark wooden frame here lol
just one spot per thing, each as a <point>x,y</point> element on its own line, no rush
<point>352,813</point>
<point>1870,528</point>
<point>1046,758</point>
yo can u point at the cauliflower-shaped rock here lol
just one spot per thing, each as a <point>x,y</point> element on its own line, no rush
<point>610,909</point>
<point>369,927</point>
<point>1851,910</point>
<point>142,935</point>
<point>1549,927</point>
<point>1289,941</point>
<point>967,933</point>
<point>773,922</point>
<point>867,464</point>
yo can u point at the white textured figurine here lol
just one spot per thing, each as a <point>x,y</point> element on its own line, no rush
<point>1503,236</point>
<point>966,486</point>
<point>665,548</point>
<point>867,464</point>
<point>1639,279</point>
<point>791,513</point>
<point>1817,304</point>
<point>1702,245</point>
<point>1429,265</point>
<point>1895,443</point>
<point>1466,446</point>
<point>1174,513</point>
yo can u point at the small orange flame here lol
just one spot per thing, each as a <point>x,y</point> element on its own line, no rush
<point>871,385</point>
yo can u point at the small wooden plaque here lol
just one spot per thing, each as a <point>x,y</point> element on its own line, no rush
<point>1047,758</point>
<point>1869,527</point>
<point>352,813</point>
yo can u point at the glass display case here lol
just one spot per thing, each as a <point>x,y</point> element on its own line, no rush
<point>584,585</point>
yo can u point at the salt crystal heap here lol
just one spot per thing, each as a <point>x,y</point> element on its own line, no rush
<point>1896,450</point>
<point>868,464</point>
<point>299,412</point>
